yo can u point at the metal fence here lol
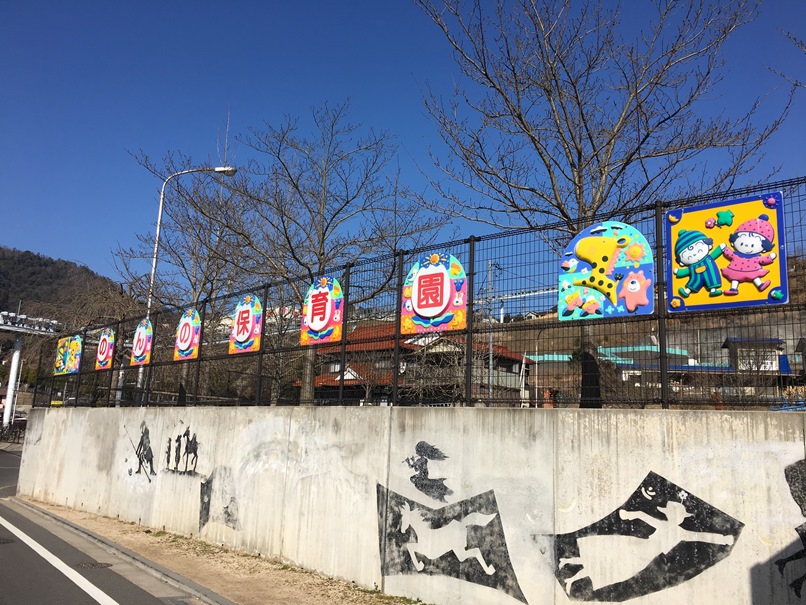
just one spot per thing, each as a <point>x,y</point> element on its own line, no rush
<point>513,352</point>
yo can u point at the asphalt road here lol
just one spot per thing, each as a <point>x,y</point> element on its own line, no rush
<point>43,562</point>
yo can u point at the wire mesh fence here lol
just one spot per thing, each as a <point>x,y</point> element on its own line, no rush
<point>506,343</point>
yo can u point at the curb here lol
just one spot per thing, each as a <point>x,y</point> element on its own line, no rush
<point>164,574</point>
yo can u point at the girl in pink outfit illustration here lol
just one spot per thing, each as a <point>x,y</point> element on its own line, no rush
<point>750,240</point>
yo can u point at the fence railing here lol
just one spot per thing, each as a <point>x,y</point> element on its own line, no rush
<point>514,350</point>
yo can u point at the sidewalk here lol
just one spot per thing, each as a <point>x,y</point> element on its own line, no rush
<point>154,579</point>
<point>5,446</point>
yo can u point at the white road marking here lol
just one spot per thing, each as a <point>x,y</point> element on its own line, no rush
<point>72,575</point>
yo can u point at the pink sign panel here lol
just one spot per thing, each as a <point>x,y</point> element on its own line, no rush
<point>106,349</point>
<point>322,312</point>
<point>188,333</point>
<point>434,295</point>
<point>141,344</point>
<point>247,322</point>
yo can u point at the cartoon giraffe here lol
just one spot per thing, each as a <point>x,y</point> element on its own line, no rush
<point>602,252</point>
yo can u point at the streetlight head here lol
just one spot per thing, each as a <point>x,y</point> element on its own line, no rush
<point>226,170</point>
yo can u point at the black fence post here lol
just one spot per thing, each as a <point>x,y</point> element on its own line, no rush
<point>202,316</point>
<point>345,287</point>
<point>112,366</point>
<point>260,352</point>
<point>147,392</point>
<point>471,273</point>
<point>660,276</point>
<point>399,303</point>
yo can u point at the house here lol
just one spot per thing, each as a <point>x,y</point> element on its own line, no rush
<point>431,370</point>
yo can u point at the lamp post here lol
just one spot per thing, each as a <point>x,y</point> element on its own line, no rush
<point>226,171</point>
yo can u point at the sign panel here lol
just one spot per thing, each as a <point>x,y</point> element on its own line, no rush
<point>141,344</point>
<point>607,271</point>
<point>322,312</point>
<point>247,322</point>
<point>68,356</point>
<point>434,295</point>
<point>106,349</point>
<point>727,254</point>
<point>188,333</point>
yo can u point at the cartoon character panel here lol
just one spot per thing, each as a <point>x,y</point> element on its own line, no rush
<point>434,295</point>
<point>68,356</point>
<point>727,254</point>
<point>606,271</point>
<point>322,312</point>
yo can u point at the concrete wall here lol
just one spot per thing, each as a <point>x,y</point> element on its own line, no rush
<point>457,505</point>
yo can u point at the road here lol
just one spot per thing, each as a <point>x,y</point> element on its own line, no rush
<point>44,562</point>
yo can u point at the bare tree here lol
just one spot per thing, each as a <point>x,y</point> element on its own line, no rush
<point>314,203</point>
<point>566,118</point>
<point>195,261</point>
<point>800,44</point>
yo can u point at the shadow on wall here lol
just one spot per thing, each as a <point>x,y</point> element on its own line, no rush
<point>779,580</point>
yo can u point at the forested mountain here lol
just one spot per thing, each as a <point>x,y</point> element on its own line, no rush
<point>56,289</point>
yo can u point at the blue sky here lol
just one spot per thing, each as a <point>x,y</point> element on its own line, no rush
<point>84,83</point>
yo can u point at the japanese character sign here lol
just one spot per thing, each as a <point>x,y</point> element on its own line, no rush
<point>607,271</point>
<point>247,323</point>
<point>727,254</point>
<point>434,295</point>
<point>141,344</point>
<point>322,312</point>
<point>188,333</point>
<point>106,349</point>
<point>68,356</point>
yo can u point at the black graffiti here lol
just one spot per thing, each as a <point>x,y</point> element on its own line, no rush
<point>661,537</point>
<point>434,488</point>
<point>143,451</point>
<point>191,452</point>
<point>464,540</point>
<point>796,478</point>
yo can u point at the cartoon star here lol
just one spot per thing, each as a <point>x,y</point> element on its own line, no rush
<point>724,218</point>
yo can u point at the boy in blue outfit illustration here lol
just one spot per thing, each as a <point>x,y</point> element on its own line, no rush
<point>695,253</point>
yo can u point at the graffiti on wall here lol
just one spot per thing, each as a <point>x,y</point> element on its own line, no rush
<point>218,499</point>
<point>433,487</point>
<point>464,540</point>
<point>663,535</point>
<point>796,478</point>
<point>182,449</point>
<point>142,452</point>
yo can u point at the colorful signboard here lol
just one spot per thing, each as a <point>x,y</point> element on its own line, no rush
<point>141,343</point>
<point>322,312</point>
<point>434,295</point>
<point>247,323</point>
<point>68,356</point>
<point>188,334</point>
<point>727,254</point>
<point>106,349</point>
<point>606,271</point>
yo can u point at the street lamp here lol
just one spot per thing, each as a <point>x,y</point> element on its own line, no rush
<point>226,171</point>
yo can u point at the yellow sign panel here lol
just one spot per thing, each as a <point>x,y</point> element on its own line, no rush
<point>727,254</point>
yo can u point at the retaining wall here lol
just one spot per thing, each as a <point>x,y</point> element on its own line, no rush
<point>456,505</point>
